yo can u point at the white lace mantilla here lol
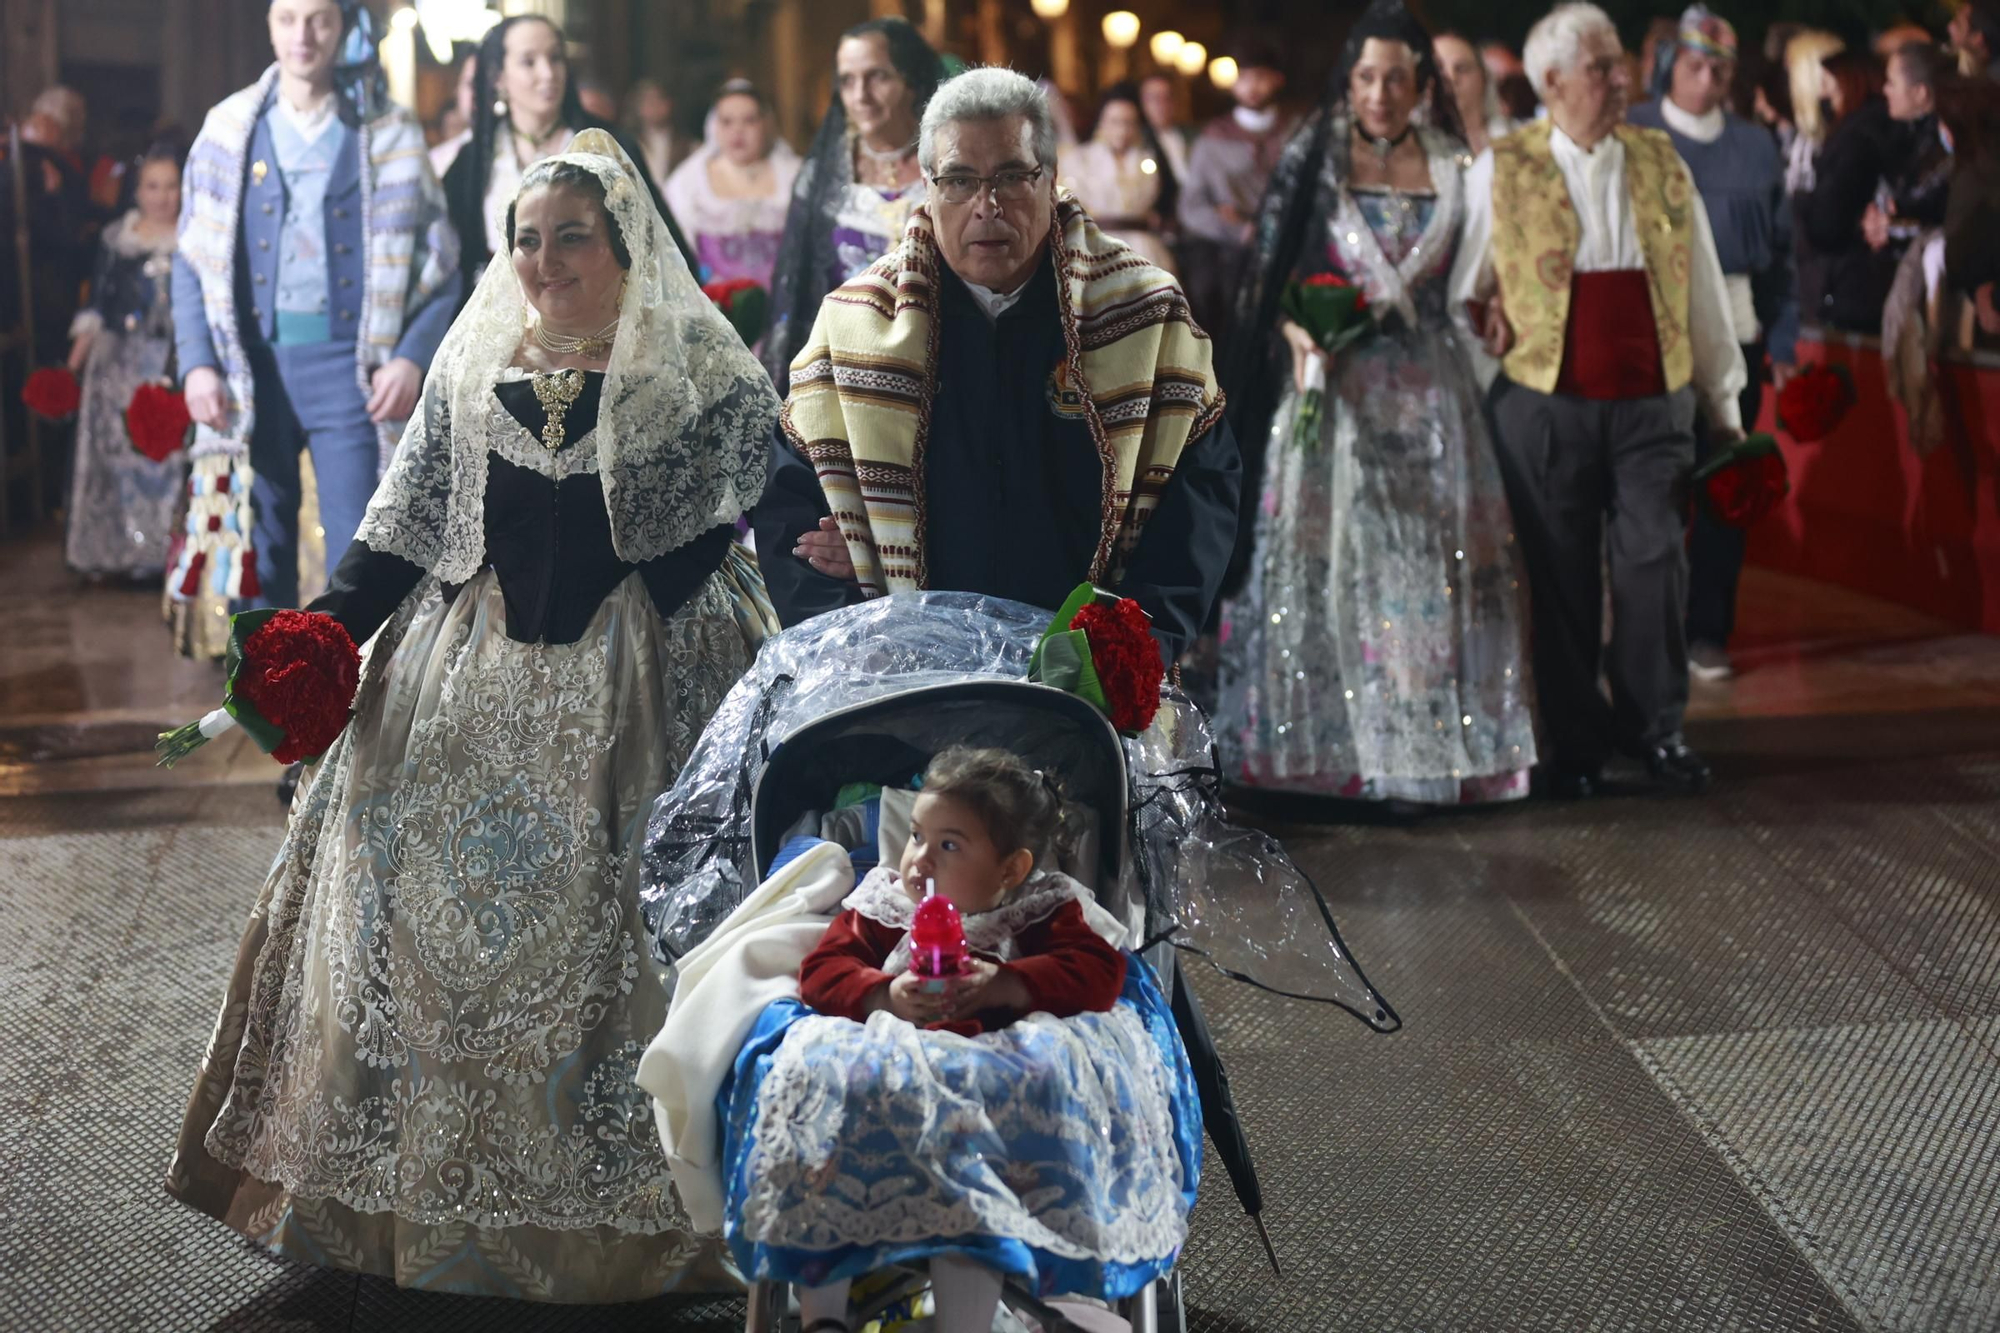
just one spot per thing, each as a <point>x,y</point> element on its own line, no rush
<point>882,899</point>
<point>682,425</point>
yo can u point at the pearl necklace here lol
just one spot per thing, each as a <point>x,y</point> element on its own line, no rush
<point>595,346</point>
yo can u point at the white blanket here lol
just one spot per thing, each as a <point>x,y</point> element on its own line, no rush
<point>720,990</point>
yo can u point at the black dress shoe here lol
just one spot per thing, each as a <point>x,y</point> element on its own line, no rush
<point>1673,764</point>
<point>1566,784</point>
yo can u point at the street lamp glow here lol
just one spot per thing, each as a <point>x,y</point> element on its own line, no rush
<point>1050,9</point>
<point>1222,72</point>
<point>448,21</point>
<point>1121,28</point>
<point>1166,46</point>
<point>1192,60</point>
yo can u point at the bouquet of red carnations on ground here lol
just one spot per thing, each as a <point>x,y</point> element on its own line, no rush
<point>52,392</point>
<point>1334,313</point>
<point>1744,482</point>
<point>1814,401</point>
<point>157,420</point>
<point>292,677</point>
<point>1101,648</point>
<point>744,303</point>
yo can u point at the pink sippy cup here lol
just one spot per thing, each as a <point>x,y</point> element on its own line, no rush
<point>937,941</point>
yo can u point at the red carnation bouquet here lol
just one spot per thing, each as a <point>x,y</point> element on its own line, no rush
<point>1814,401</point>
<point>1101,648</point>
<point>157,420</point>
<point>1744,482</point>
<point>52,392</point>
<point>1334,313</point>
<point>292,677</point>
<point>744,303</point>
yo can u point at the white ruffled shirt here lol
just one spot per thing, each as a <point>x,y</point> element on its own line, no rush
<point>1609,241</point>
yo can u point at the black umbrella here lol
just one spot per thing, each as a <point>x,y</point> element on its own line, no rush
<point>1218,1107</point>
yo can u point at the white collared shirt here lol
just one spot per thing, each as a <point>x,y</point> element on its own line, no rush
<point>994,303</point>
<point>1607,241</point>
<point>1701,129</point>
<point>309,125</point>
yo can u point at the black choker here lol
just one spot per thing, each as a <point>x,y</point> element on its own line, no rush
<point>1384,147</point>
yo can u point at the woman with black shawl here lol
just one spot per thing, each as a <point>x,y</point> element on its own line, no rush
<point>1378,648</point>
<point>525,107</point>
<point>860,181</point>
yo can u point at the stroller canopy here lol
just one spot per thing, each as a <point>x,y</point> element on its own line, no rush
<point>869,692</point>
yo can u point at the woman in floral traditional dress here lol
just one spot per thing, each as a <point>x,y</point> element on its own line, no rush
<point>423,1066</point>
<point>1378,650</point>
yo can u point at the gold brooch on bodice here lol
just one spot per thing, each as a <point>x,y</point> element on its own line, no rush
<point>556,392</point>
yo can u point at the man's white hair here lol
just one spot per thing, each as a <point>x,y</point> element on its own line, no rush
<point>987,93</point>
<point>1555,43</point>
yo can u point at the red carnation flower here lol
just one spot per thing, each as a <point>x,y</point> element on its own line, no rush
<point>1338,281</point>
<point>292,678</point>
<point>1745,491</point>
<point>1814,401</point>
<point>157,420</point>
<point>52,392</point>
<point>1126,659</point>
<point>300,670</point>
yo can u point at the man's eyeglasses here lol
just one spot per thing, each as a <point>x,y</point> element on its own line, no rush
<point>1009,187</point>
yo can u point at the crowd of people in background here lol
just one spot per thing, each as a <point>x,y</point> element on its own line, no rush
<point>1851,186</point>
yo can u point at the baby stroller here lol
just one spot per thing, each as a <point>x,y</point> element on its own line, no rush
<point>868,695</point>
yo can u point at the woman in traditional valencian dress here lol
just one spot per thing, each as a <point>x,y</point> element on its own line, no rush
<point>423,1066</point>
<point>1123,178</point>
<point>1378,650</point>
<point>860,180</point>
<point>122,503</point>
<point>731,195</point>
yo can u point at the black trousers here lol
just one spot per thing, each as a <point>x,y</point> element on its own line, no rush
<point>1715,550</point>
<point>1577,471</point>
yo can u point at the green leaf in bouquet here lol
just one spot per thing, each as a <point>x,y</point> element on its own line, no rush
<point>1066,665</point>
<point>1080,596</point>
<point>1741,452</point>
<point>749,309</point>
<point>242,625</point>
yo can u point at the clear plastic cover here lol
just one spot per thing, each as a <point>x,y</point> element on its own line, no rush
<point>1226,893</point>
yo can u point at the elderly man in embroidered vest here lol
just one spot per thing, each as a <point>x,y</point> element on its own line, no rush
<point>315,278</point>
<point>1591,253</point>
<point>1035,410</point>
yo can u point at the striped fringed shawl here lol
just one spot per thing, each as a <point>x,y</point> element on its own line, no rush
<point>412,255</point>
<point>860,406</point>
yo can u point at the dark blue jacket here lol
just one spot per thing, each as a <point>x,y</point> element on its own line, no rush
<point>1742,182</point>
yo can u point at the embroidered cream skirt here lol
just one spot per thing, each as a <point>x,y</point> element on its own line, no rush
<point>423,1066</point>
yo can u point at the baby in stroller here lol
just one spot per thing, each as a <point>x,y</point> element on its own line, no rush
<point>1034,1118</point>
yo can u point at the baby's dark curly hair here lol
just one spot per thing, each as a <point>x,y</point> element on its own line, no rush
<point>1020,806</point>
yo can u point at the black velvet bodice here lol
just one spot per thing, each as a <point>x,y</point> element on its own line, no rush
<point>548,541</point>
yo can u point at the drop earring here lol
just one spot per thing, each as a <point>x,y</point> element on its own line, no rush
<point>500,109</point>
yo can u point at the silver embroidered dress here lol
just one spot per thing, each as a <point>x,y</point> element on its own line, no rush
<point>423,1066</point>
<point>1379,648</point>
